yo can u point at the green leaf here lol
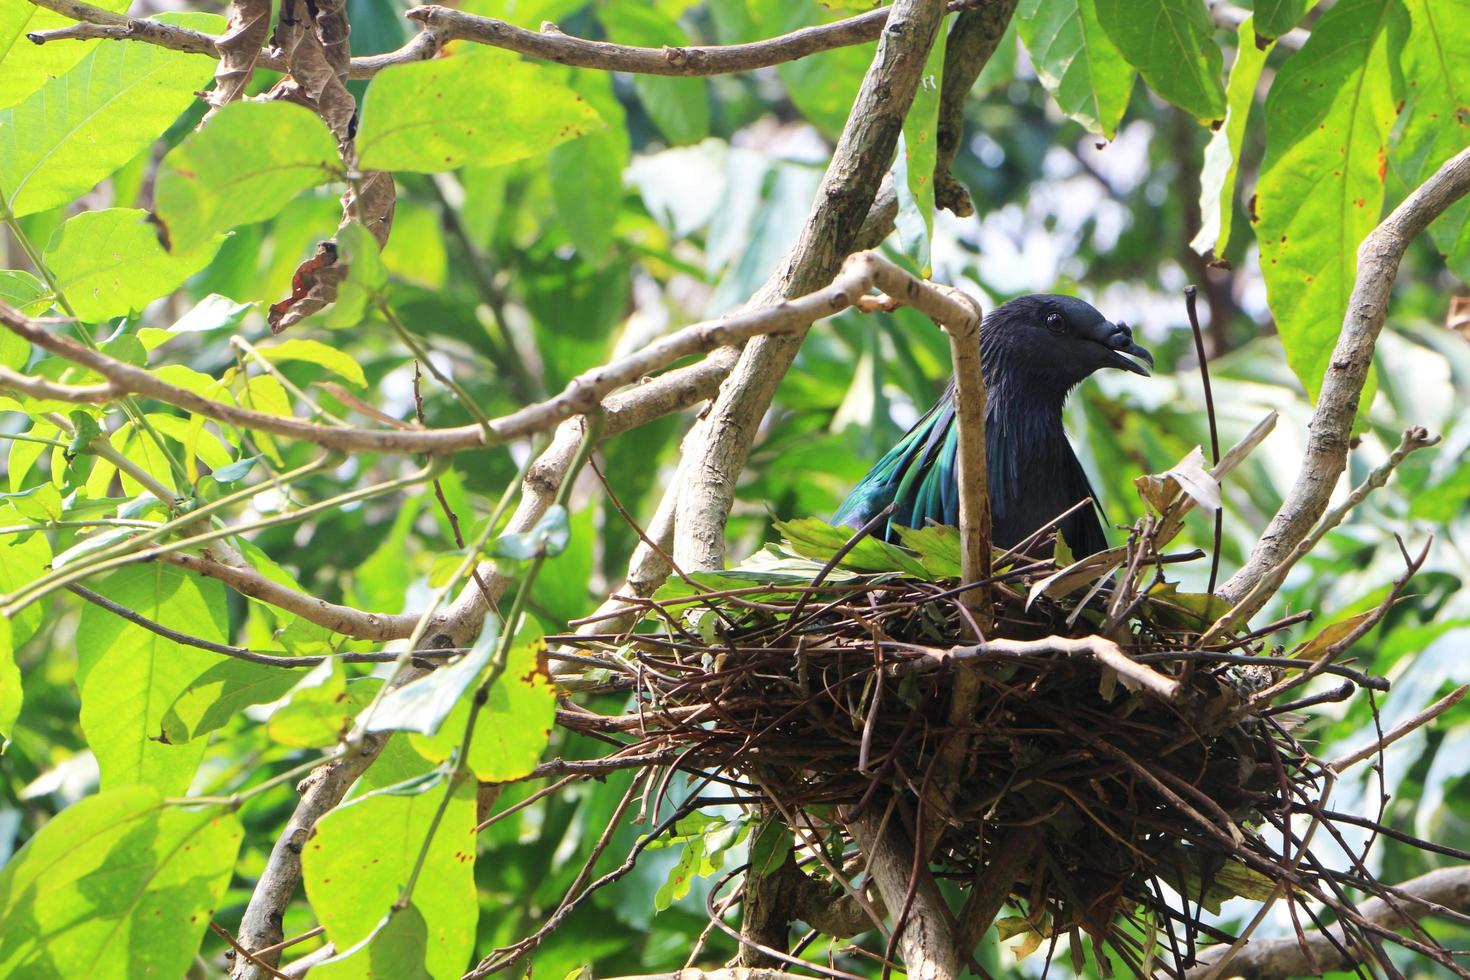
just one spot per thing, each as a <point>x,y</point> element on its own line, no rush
<point>547,539</point>
<point>772,845</point>
<point>1077,62</point>
<point>395,949</point>
<point>351,887</point>
<point>56,145</point>
<point>421,705</point>
<point>129,677</point>
<point>587,173</point>
<point>213,312</point>
<point>315,352</point>
<point>1436,121</point>
<point>10,689</point>
<point>514,726</point>
<point>1172,44</point>
<point>482,107</point>
<point>26,66</point>
<point>913,170</point>
<point>318,712</point>
<point>41,503</point>
<point>24,292</point>
<point>117,885</point>
<point>1222,154</point>
<point>357,247</point>
<point>812,537</point>
<point>1274,18</point>
<point>23,559</point>
<point>218,694</point>
<point>109,263</point>
<point>1328,119</point>
<point>245,166</point>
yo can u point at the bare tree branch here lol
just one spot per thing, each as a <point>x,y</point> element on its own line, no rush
<point>717,449</point>
<point>322,790</point>
<point>442,24</point>
<point>926,942</point>
<point>1337,405</point>
<point>973,39</point>
<point>581,395</point>
<point>1439,890</point>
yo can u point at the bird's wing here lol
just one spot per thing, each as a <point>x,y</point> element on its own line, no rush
<point>1082,529</point>
<point>918,474</point>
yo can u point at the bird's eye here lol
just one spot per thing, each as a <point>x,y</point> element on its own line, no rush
<point>1055,323</point>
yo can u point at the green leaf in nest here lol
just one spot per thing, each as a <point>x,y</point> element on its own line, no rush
<point>812,537</point>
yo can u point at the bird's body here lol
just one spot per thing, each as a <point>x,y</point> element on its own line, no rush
<point>1035,350</point>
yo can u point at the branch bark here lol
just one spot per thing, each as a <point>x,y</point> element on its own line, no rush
<point>973,39</point>
<point>442,24</point>
<point>1337,405</point>
<point>927,941</point>
<point>322,790</point>
<point>1428,894</point>
<point>717,448</point>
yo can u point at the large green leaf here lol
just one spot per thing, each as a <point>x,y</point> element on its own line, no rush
<point>129,676</point>
<point>1274,18</point>
<point>245,166</point>
<point>10,692</point>
<point>23,559</point>
<point>482,107</point>
<point>397,949</point>
<point>1328,119</point>
<point>109,263</point>
<point>57,144</point>
<point>1171,43</point>
<point>513,727</point>
<point>422,704</point>
<point>1077,62</point>
<point>587,173</point>
<point>211,700</point>
<point>25,67</point>
<point>1436,123</point>
<point>1222,155</point>
<point>118,885</point>
<point>352,887</point>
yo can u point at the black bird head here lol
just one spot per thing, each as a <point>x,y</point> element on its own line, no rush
<point>1048,343</point>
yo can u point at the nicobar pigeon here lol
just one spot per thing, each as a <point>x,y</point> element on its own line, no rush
<point>1035,350</point>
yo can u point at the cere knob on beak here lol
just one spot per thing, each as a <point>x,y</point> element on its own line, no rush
<point>1120,338</point>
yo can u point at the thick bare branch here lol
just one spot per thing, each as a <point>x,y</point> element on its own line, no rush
<point>1428,894</point>
<point>926,942</point>
<point>320,792</point>
<point>719,446</point>
<point>1337,405</point>
<point>973,39</point>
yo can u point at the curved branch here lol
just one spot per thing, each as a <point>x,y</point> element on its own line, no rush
<point>442,24</point>
<point>581,395</point>
<point>1337,405</point>
<point>1428,894</point>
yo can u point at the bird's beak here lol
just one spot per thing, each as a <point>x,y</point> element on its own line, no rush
<point>1119,341</point>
